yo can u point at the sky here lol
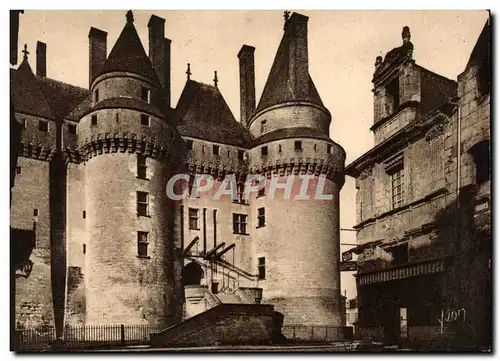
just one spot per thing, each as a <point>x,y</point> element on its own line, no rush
<point>342,44</point>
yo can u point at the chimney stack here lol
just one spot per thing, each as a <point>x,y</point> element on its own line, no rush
<point>41,59</point>
<point>247,83</point>
<point>296,29</point>
<point>97,52</point>
<point>159,53</point>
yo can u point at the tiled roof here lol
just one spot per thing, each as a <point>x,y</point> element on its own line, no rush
<point>203,113</point>
<point>41,96</point>
<point>129,55</point>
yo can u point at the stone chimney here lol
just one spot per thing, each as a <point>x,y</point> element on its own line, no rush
<point>247,83</point>
<point>159,53</point>
<point>41,59</point>
<point>97,52</point>
<point>296,31</point>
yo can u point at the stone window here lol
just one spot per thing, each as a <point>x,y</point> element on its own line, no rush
<point>145,120</point>
<point>392,91</point>
<point>142,204</point>
<point>142,244</point>
<point>203,149</point>
<point>240,154</point>
<point>194,218</point>
<point>481,154</point>
<point>216,150</point>
<point>262,268</point>
<point>329,149</point>
<point>18,170</point>
<point>93,121</point>
<point>261,217</point>
<point>189,144</point>
<point>240,223</point>
<point>263,126</point>
<point>43,125</point>
<point>84,248</point>
<point>399,254</point>
<point>141,166</point>
<point>261,192</point>
<point>263,150</point>
<point>397,185</point>
<point>72,128</point>
<point>84,214</point>
<point>96,96</point>
<point>315,147</point>
<point>229,153</point>
<point>279,148</point>
<point>240,193</point>
<point>298,145</point>
<point>146,94</point>
<point>35,212</point>
<point>483,77</point>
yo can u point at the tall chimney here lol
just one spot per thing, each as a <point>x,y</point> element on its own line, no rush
<point>296,29</point>
<point>41,59</point>
<point>166,74</point>
<point>247,83</point>
<point>157,51</point>
<point>97,52</point>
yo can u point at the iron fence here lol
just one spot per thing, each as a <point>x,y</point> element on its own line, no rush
<point>83,337</point>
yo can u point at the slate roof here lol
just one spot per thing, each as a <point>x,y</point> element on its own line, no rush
<point>203,113</point>
<point>278,88</point>
<point>44,97</point>
<point>129,55</point>
<point>481,51</point>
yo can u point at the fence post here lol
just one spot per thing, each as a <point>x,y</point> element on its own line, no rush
<point>122,334</point>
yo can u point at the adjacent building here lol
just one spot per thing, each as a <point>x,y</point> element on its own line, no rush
<point>423,203</point>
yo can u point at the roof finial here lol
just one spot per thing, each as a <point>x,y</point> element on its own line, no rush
<point>286,15</point>
<point>188,71</point>
<point>378,61</point>
<point>405,34</point>
<point>216,80</point>
<point>25,52</point>
<point>130,16</point>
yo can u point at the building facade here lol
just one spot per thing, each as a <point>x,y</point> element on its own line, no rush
<point>423,197</point>
<point>94,168</point>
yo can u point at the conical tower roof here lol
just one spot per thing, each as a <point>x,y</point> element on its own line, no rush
<point>129,55</point>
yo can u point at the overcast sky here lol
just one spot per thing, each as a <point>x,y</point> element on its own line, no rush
<point>343,46</point>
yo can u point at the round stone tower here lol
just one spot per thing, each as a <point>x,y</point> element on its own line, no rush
<point>296,232</point>
<point>126,144</point>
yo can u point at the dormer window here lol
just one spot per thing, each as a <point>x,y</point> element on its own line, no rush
<point>392,90</point>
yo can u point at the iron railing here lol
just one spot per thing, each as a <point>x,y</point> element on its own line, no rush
<point>83,337</point>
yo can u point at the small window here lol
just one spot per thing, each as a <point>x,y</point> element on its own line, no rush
<point>96,96</point>
<point>35,212</point>
<point>216,149</point>
<point>261,217</point>
<point>194,218</point>
<point>117,117</point>
<point>263,126</point>
<point>215,287</point>
<point>240,223</point>
<point>145,120</point>
<point>71,128</point>
<point>298,145</point>
<point>84,214</point>
<point>263,150</point>
<point>315,147</point>
<point>18,170</point>
<point>142,204</point>
<point>142,244</point>
<point>203,149</point>
<point>141,166</point>
<point>400,254</point>
<point>261,192</point>
<point>94,120</point>
<point>146,94</point>
<point>229,153</point>
<point>262,268</point>
<point>240,193</point>
<point>43,125</point>
<point>23,123</point>
<point>240,155</point>
<point>84,248</point>
<point>189,144</point>
<point>393,95</point>
<point>481,154</point>
<point>279,148</point>
<point>329,149</point>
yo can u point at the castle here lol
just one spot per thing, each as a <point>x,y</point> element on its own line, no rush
<point>104,244</point>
